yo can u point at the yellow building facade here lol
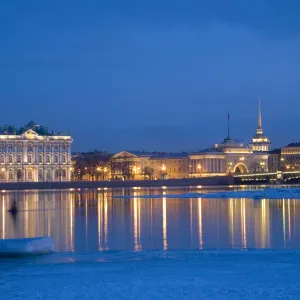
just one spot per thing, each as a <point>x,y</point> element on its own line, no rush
<point>170,166</point>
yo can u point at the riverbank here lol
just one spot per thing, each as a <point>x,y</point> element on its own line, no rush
<point>206,181</point>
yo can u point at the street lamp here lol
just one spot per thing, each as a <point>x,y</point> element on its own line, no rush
<point>98,170</point>
<point>104,172</point>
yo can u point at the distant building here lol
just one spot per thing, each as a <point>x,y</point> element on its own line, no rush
<point>32,154</point>
<point>290,157</point>
<point>129,164</point>
<point>260,142</point>
<point>227,157</point>
<point>274,160</point>
<point>149,165</point>
<point>231,156</point>
<point>170,165</point>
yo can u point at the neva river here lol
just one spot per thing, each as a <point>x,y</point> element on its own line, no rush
<point>152,248</point>
<point>92,221</point>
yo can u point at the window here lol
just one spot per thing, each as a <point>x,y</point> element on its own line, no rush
<point>11,174</point>
<point>40,159</point>
<point>48,148</point>
<point>64,159</point>
<point>29,174</point>
<point>10,159</point>
<point>30,159</point>
<point>48,159</point>
<point>19,174</point>
<point>40,147</point>
<point>56,147</point>
<point>64,173</point>
<point>56,159</point>
<point>40,174</point>
<point>2,146</point>
<point>19,158</point>
<point>10,146</point>
<point>30,147</point>
<point>56,174</point>
<point>48,174</point>
<point>19,146</point>
<point>2,160</point>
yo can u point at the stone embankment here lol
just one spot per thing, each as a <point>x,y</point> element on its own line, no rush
<point>205,181</point>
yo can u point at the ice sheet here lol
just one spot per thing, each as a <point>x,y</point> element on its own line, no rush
<point>26,246</point>
<point>155,275</point>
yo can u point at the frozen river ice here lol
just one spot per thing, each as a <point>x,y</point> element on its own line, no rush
<point>261,274</point>
<point>153,248</point>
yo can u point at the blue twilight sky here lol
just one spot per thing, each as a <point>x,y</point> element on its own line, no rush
<point>151,74</point>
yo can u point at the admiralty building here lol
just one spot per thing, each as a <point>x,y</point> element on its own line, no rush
<point>32,154</point>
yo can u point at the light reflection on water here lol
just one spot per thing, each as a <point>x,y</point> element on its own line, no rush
<point>91,221</point>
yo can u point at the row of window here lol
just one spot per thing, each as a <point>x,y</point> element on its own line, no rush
<point>48,160</point>
<point>30,147</point>
<point>20,174</point>
<point>170,161</point>
<point>290,152</point>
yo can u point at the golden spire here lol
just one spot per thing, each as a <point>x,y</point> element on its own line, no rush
<point>259,122</point>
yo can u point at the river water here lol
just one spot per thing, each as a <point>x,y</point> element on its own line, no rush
<point>94,221</point>
<point>154,248</point>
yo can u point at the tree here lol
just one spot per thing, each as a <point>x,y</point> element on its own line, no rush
<point>121,167</point>
<point>148,171</point>
<point>90,164</point>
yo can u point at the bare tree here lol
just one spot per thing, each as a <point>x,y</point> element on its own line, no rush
<point>121,167</point>
<point>89,164</point>
<point>148,171</point>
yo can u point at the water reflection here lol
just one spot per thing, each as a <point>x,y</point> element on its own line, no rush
<point>91,220</point>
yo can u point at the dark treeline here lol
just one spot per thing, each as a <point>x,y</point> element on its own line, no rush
<point>93,165</point>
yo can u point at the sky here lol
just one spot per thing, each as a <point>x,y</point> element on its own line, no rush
<point>157,75</point>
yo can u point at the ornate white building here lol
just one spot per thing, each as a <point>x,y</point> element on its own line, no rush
<point>31,154</point>
<point>233,157</point>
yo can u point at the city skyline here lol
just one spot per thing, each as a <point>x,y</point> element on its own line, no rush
<point>151,75</point>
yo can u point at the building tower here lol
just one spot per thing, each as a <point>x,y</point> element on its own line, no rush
<point>260,142</point>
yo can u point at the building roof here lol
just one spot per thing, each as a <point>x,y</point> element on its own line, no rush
<point>169,155</point>
<point>140,153</point>
<point>293,145</point>
<point>207,150</point>
<point>12,130</point>
<point>275,151</point>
